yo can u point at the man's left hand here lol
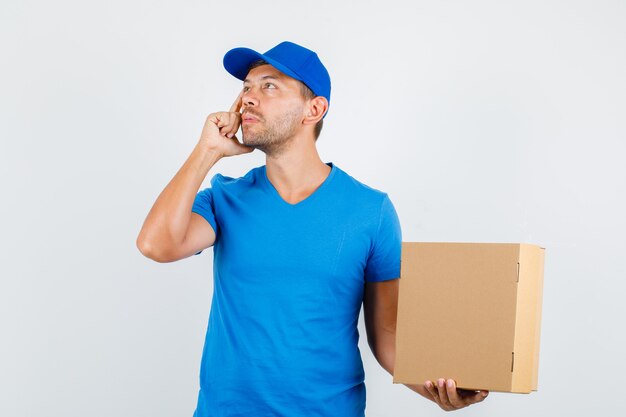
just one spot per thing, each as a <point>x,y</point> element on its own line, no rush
<point>449,398</point>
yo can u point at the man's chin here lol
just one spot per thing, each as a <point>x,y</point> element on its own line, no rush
<point>250,143</point>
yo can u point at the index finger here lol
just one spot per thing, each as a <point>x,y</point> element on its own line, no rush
<point>237,104</point>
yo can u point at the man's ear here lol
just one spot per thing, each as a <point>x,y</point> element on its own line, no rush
<point>317,107</point>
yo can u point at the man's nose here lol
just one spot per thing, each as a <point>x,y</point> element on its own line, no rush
<point>249,97</point>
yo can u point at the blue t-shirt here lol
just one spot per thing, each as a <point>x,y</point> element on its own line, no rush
<point>282,336</point>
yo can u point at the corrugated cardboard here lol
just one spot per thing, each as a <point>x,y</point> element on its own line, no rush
<point>470,312</point>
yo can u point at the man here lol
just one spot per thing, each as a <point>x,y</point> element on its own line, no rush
<point>298,246</point>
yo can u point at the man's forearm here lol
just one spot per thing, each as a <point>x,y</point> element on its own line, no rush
<point>168,220</point>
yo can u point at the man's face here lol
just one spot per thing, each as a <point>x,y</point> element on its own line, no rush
<point>272,109</point>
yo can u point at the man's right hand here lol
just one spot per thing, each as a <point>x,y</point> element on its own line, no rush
<point>219,131</point>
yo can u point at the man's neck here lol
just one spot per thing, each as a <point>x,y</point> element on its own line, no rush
<point>297,172</point>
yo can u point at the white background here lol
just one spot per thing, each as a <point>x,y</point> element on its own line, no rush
<point>485,121</point>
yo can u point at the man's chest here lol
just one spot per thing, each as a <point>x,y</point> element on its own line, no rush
<point>313,244</point>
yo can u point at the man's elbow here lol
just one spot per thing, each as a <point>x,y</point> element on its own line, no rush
<point>148,250</point>
<point>385,352</point>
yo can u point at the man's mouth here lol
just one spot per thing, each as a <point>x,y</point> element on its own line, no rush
<point>248,118</point>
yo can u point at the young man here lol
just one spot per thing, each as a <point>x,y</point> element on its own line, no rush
<point>298,245</point>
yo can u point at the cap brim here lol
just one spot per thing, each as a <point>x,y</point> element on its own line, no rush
<point>238,60</point>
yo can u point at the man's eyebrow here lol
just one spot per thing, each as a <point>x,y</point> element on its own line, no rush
<point>263,78</point>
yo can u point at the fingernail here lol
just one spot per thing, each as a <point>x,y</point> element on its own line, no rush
<point>484,394</point>
<point>450,383</point>
<point>440,382</point>
<point>428,384</point>
<point>230,135</point>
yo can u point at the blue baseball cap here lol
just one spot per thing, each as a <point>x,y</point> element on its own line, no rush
<point>289,58</point>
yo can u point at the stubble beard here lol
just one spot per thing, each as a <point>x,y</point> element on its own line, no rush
<point>276,136</point>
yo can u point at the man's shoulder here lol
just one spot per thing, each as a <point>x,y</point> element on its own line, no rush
<point>359,188</point>
<point>230,182</point>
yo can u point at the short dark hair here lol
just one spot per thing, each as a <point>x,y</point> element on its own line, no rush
<point>307,93</point>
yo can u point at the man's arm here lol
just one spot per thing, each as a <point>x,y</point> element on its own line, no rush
<point>171,230</point>
<point>380,306</point>
<point>163,236</point>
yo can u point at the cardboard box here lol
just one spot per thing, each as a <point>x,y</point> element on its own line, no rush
<point>471,312</point>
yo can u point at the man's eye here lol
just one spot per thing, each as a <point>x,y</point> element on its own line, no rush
<point>266,84</point>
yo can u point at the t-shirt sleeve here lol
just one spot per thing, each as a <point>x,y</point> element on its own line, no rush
<point>204,206</point>
<point>383,262</point>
